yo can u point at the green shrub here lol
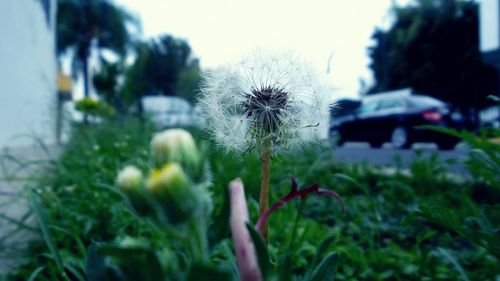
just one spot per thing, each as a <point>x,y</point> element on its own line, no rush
<point>95,108</point>
<point>422,225</point>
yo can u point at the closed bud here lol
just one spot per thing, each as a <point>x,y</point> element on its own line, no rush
<point>246,255</point>
<point>172,189</point>
<point>132,242</point>
<point>176,145</point>
<point>131,182</point>
<point>129,178</point>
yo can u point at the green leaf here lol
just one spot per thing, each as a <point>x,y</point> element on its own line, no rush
<point>199,272</point>
<point>77,274</point>
<point>77,240</point>
<point>349,179</point>
<point>261,250</point>
<point>448,131</point>
<point>137,263</point>
<point>285,268</point>
<point>494,98</point>
<point>455,263</point>
<point>327,269</point>
<point>45,231</point>
<point>19,223</point>
<point>220,227</point>
<point>454,220</point>
<point>322,247</point>
<point>95,267</point>
<point>35,273</point>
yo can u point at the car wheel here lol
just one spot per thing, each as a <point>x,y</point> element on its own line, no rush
<point>335,138</point>
<point>376,144</point>
<point>400,138</point>
<point>446,145</point>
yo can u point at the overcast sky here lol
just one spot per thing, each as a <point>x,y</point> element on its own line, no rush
<point>223,30</point>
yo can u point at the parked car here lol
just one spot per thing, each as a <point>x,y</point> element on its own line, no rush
<point>395,118</point>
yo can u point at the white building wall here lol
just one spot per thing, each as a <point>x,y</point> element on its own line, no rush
<point>27,72</point>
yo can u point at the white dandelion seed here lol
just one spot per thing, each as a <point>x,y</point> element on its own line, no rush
<point>266,97</point>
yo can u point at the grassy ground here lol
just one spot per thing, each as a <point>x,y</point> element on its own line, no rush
<point>418,226</point>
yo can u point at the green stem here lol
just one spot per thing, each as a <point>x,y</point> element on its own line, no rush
<point>296,223</point>
<point>265,173</point>
<point>199,241</point>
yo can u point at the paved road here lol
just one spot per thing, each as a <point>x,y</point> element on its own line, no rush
<point>386,156</point>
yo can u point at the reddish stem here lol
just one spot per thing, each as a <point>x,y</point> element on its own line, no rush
<point>294,193</point>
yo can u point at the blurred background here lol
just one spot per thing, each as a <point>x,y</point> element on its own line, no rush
<point>411,136</point>
<point>79,61</point>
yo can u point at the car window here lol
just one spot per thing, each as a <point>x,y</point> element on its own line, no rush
<point>391,104</point>
<point>368,107</point>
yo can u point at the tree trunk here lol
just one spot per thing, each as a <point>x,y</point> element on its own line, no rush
<point>85,70</point>
<point>476,112</point>
<point>140,108</point>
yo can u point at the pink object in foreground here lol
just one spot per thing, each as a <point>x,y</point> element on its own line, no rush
<point>246,256</point>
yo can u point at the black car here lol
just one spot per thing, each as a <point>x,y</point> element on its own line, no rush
<point>394,118</point>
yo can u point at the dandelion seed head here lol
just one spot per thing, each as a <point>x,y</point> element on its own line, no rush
<point>265,96</point>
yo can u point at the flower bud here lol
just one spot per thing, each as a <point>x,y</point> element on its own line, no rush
<point>246,256</point>
<point>171,188</point>
<point>175,145</point>
<point>129,178</point>
<point>132,242</point>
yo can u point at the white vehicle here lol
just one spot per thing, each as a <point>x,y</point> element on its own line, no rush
<point>168,111</point>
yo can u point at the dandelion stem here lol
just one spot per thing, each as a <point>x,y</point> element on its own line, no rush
<point>265,173</point>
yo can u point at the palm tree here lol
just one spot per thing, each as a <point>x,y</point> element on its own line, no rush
<point>82,24</point>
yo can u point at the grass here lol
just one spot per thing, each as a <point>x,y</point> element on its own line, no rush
<point>418,226</point>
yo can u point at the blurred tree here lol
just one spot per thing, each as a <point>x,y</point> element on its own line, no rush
<point>82,24</point>
<point>163,66</point>
<point>135,84</point>
<point>432,47</point>
<point>106,82</point>
<point>189,82</point>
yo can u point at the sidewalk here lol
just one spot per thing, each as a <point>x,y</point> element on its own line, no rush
<point>17,225</point>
